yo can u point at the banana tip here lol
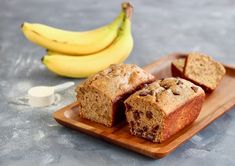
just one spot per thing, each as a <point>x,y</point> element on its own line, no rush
<point>126,5</point>
<point>128,8</point>
<point>22,25</point>
<point>42,59</point>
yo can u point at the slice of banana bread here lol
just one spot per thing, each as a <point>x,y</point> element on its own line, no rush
<point>101,96</point>
<point>203,70</point>
<point>162,108</point>
<point>177,67</point>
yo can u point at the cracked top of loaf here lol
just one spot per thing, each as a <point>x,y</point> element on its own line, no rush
<point>167,94</point>
<point>117,80</point>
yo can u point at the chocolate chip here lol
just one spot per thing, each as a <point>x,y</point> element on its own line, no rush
<point>136,115</point>
<point>143,93</point>
<point>175,92</point>
<point>151,92</point>
<point>145,128</point>
<point>180,82</point>
<point>194,88</point>
<point>166,87</point>
<point>150,136</point>
<point>157,99</point>
<point>149,114</point>
<point>155,129</point>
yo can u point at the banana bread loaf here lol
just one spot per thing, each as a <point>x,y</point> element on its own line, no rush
<point>162,108</point>
<point>101,96</point>
<point>203,70</point>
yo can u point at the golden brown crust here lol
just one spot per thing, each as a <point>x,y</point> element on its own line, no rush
<point>117,79</point>
<point>182,117</point>
<point>167,93</point>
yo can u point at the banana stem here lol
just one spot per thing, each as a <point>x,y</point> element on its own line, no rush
<point>128,9</point>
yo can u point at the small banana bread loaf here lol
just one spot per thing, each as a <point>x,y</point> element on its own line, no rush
<point>162,108</point>
<point>102,95</point>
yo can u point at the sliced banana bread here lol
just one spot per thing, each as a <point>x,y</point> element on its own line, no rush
<point>177,67</point>
<point>101,96</point>
<point>203,70</point>
<point>162,108</point>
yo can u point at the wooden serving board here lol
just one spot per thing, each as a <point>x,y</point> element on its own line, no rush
<point>215,105</point>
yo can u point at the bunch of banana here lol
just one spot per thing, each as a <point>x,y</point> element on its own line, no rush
<point>80,54</point>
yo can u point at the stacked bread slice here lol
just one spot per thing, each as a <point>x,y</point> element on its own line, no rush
<point>200,69</point>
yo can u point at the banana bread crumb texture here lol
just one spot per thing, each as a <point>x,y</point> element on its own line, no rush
<point>203,70</point>
<point>200,69</point>
<point>179,64</point>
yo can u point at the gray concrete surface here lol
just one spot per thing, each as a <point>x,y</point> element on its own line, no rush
<point>31,136</point>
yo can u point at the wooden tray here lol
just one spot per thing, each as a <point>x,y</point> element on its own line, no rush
<point>215,105</point>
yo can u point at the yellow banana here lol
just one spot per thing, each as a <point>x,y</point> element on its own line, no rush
<point>84,66</point>
<point>74,43</point>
